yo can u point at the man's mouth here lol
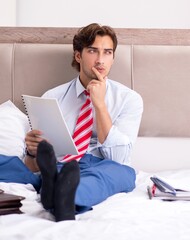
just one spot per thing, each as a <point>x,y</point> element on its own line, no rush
<point>100,69</point>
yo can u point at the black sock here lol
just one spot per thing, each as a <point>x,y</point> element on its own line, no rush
<point>65,189</point>
<point>47,164</point>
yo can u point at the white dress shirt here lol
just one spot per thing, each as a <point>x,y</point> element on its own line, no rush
<point>125,107</point>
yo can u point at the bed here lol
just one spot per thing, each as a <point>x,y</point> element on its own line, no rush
<point>154,62</point>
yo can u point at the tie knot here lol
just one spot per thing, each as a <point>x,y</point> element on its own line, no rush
<point>86,93</point>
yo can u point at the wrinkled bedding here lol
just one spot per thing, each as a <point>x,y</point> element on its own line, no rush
<point>123,216</point>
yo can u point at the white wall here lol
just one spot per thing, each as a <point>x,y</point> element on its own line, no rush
<point>7,12</point>
<point>119,13</point>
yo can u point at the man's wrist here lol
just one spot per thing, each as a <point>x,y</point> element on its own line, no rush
<point>28,154</point>
<point>30,162</point>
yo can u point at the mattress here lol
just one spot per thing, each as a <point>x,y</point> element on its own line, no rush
<point>124,216</point>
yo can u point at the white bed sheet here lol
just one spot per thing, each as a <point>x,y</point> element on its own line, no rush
<point>130,216</point>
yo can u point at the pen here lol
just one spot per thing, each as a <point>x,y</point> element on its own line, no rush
<point>149,192</point>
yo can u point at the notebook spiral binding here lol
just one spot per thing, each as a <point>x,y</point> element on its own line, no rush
<point>26,111</point>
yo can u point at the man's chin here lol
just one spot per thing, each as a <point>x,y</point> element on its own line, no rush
<point>94,77</point>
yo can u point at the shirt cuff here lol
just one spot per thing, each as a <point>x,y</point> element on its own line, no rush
<point>115,138</point>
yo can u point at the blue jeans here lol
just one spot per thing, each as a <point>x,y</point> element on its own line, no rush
<point>100,179</point>
<point>12,169</point>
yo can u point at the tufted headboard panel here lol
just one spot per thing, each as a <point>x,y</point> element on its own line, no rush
<point>161,74</point>
<point>34,68</point>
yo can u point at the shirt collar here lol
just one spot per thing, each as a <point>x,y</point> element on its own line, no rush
<point>79,87</point>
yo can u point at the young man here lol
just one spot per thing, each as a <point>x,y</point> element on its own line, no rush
<point>74,184</point>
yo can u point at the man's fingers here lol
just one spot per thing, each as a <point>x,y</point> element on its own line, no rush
<point>98,75</point>
<point>36,132</point>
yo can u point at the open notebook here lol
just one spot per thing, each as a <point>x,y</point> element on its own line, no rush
<point>161,189</point>
<point>45,115</point>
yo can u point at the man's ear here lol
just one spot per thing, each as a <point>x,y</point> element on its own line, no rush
<point>77,56</point>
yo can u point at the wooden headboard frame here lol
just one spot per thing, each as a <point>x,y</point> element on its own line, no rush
<point>65,35</point>
<point>154,62</point>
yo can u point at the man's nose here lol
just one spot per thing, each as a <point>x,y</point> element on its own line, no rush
<point>100,58</point>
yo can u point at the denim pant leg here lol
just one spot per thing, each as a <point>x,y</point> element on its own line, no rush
<point>101,179</point>
<point>12,169</point>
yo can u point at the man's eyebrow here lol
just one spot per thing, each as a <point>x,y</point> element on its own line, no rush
<point>92,47</point>
<point>107,49</point>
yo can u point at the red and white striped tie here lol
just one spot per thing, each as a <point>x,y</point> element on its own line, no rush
<point>83,130</point>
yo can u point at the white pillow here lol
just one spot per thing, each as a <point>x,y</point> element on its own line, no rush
<point>13,128</point>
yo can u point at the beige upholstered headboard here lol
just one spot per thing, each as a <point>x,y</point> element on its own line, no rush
<point>154,62</point>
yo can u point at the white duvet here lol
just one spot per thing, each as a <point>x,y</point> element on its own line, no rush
<point>130,216</point>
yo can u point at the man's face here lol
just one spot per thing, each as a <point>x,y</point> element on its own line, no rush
<point>99,55</point>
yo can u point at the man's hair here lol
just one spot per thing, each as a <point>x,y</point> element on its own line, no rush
<point>85,37</point>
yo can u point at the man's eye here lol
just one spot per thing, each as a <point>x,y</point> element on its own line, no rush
<point>91,50</point>
<point>109,52</point>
